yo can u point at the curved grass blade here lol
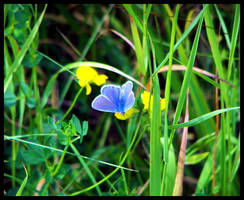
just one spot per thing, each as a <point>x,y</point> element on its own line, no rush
<point>102,66</point>
<point>61,151</point>
<point>202,118</point>
<point>68,67</point>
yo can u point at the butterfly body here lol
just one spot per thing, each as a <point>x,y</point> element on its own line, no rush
<point>114,98</point>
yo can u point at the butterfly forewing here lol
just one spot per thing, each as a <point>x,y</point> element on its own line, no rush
<point>102,103</point>
<point>112,92</point>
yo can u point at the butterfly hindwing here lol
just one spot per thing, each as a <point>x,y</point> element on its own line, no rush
<point>129,101</point>
<point>127,96</point>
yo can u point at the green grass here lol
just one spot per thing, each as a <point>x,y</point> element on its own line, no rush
<point>69,149</point>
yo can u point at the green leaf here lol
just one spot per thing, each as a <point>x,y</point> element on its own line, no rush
<point>31,60</point>
<point>196,158</point>
<point>200,144</point>
<point>48,177</point>
<point>202,118</point>
<point>22,15</point>
<point>64,169</point>
<point>34,154</point>
<point>62,138</point>
<point>22,184</point>
<point>9,98</point>
<point>84,127</point>
<point>25,88</point>
<point>76,124</point>
<point>84,130</point>
<point>31,102</point>
<point>51,122</point>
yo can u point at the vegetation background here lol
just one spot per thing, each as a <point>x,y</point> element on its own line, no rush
<point>188,54</point>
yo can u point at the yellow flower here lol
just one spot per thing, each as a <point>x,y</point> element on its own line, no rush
<point>126,115</point>
<point>145,96</point>
<point>88,75</point>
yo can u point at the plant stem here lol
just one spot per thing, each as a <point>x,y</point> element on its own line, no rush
<point>72,105</point>
<point>61,160</point>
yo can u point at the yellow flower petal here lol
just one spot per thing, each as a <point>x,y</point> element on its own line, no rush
<point>162,104</point>
<point>82,83</point>
<point>145,100</point>
<point>88,89</point>
<point>87,74</point>
<point>126,115</point>
<point>100,79</point>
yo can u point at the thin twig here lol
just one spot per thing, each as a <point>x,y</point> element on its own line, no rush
<point>124,38</point>
<point>141,189</point>
<point>178,187</point>
<point>216,137</point>
<point>176,67</point>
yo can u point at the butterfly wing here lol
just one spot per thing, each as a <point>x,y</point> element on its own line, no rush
<point>108,100</point>
<point>127,98</point>
<point>112,92</point>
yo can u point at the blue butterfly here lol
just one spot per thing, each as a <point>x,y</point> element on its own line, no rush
<point>114,98</point>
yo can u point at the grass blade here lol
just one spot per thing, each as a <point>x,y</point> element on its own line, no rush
<point>22,184</point>
<point>138,47</point>
<point>227,38</point>
<point>129,9</point>
<point>187,78</point>
<point>155,145</point>
<point>202,118</point>
<point>235,32</point>
<point>167,98</point>
<point>185,34</point>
